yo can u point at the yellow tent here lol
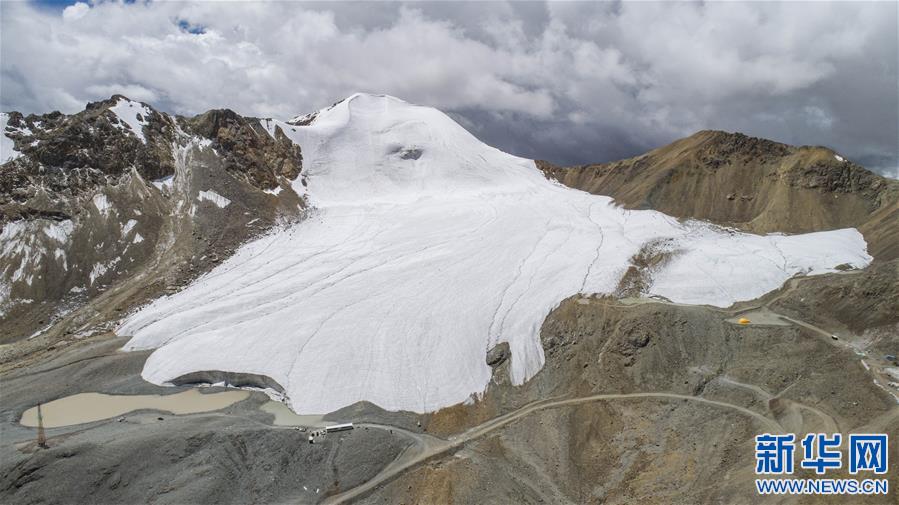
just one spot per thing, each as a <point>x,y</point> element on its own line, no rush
<point>743,320</point>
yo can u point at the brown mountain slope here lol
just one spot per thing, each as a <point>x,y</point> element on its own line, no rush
<point>754,184</point>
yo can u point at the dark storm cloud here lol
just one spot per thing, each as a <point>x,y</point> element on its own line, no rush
<point>568,82</point>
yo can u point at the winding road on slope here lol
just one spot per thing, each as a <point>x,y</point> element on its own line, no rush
<point>433,449</point>
<point>428,447</point>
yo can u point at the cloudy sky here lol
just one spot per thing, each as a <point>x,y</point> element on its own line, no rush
<point>567,82</point>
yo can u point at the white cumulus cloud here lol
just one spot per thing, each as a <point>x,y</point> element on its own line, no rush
<point>569,82</point>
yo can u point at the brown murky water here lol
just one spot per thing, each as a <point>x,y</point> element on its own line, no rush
<point>90,407</point>
<point>286,417</point>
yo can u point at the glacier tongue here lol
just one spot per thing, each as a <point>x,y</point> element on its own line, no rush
<point>425,249</point>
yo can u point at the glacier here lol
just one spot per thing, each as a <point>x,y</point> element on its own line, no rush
<point>423,249</point>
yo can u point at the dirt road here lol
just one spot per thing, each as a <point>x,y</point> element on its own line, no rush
<point>434,449</point>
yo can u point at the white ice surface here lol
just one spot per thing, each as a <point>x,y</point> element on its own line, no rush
<point>127,111</point>
<point>408,270</point>
<point>7,146</point>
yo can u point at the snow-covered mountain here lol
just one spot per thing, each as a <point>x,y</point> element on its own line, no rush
<point>425,248</point>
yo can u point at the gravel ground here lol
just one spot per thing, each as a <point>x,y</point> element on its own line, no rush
<point>233,455</point>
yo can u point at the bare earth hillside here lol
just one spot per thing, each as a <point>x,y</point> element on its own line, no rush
<point>750,183</point>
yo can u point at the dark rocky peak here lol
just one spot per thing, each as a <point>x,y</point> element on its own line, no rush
<point>209,123</point>
<point>737,142</point>
<point>715,148</point>
<point>248,149</point>
<point>74,154</point>
<point>55,140</point>
<point>129,116</point>
<point>103,176</point>
<point>18,124</point>
<point>71,154</point>
<point>111,101</point>
<point>810,167</point>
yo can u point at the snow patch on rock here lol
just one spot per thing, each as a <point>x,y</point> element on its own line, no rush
<point>127,227</point>
<point>165,183</point>
<point>7,146</point>
<point>100,269</point>
<point>211,196</point>
<point>59,230</point>
<point>23,245</point>
<point>60,254</point>
<point>269,126</point>
<point>134,114</point>
<point>101,202</point>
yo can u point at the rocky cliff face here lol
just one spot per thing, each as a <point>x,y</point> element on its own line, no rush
<point>750,183</point>
<point>115,205</point>
<point>248,149</point>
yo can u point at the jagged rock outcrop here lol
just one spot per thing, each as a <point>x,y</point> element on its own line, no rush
<point>108,208</point>
<point>248,148</point>
<point>65,156</point>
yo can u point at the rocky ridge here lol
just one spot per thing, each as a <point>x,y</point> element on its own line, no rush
<point>113,206</point>
<point>750,183</point>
